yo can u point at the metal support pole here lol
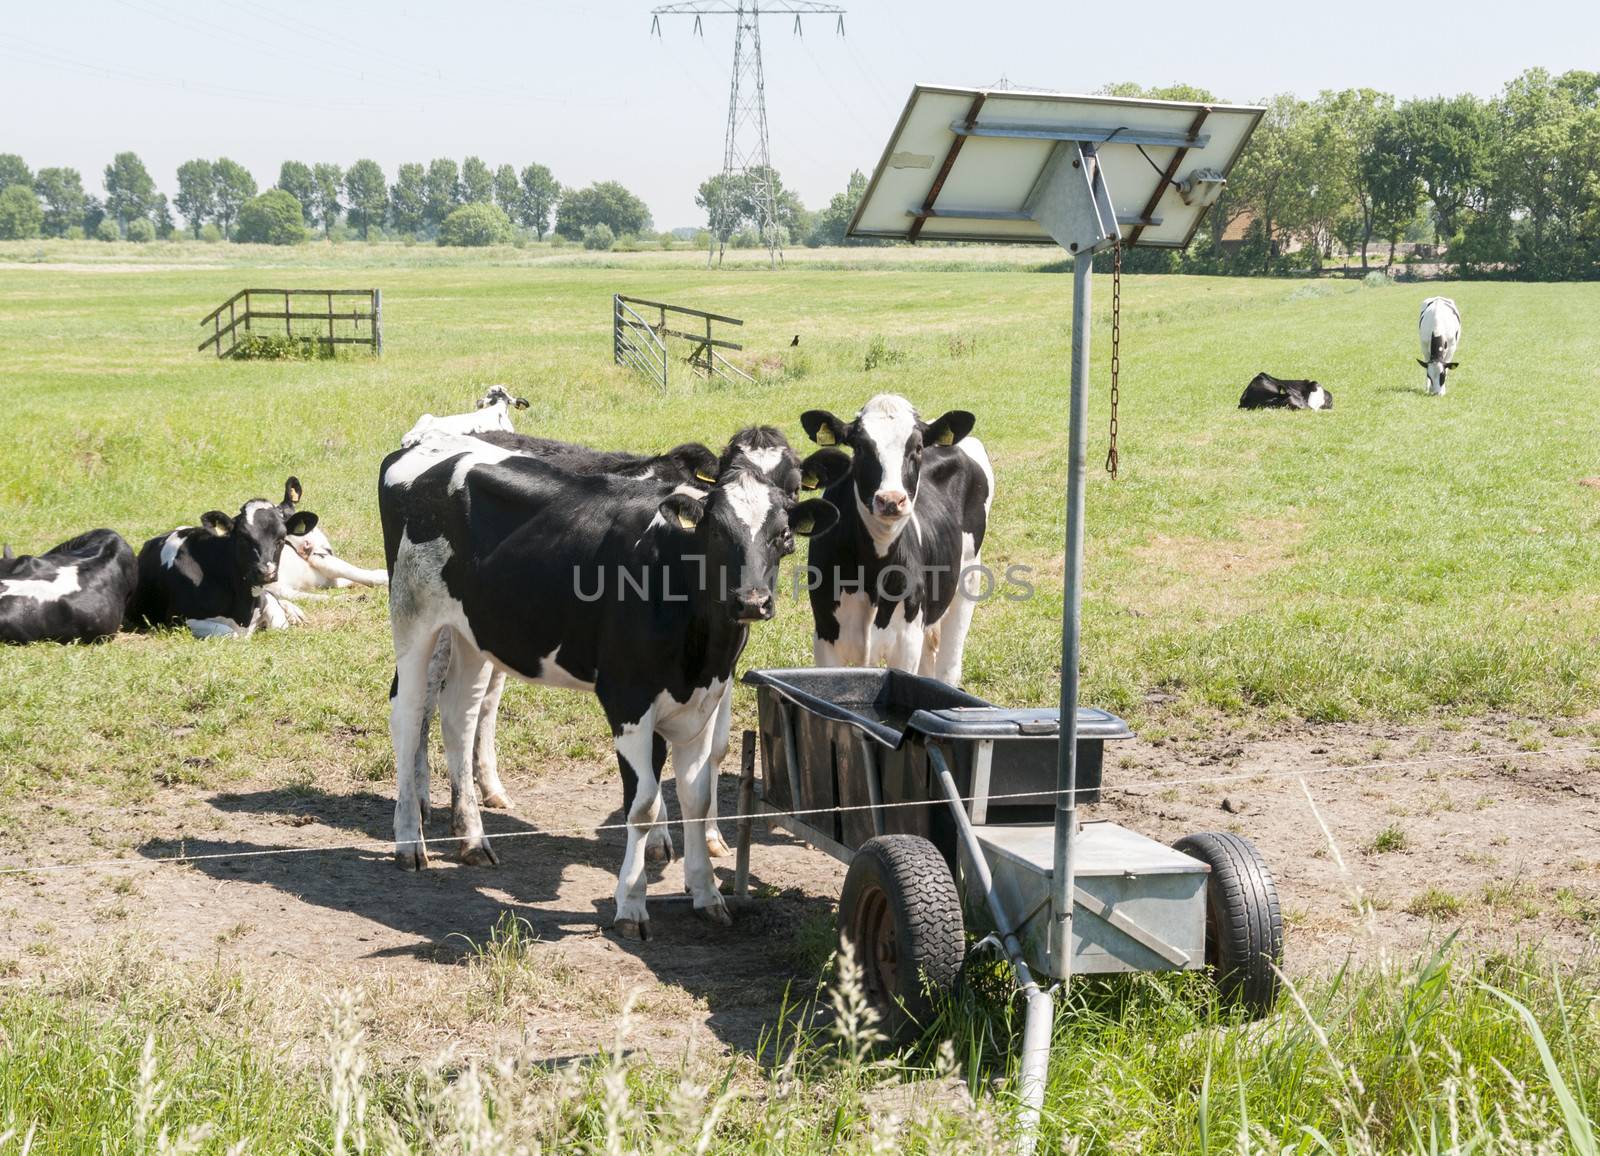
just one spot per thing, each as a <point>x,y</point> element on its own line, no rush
<point>1066,833</point>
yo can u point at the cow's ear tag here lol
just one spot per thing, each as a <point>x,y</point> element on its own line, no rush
<point>685,521</point>
<point>825,436</point>
<point>947,437</point>
<point>810,481</point>
<point>705,476</point>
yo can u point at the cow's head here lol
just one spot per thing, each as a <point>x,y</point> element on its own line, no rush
<point>744,527</point>
<point>765,450</point>
<point>259,530</point>
<point>500,395</point>
<point>887,438</point>
<point>1438,368</point>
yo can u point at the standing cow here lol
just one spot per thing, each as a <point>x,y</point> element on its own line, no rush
<point>623,587</point>
<point>1439,327</point>
<point>75,592</point>
<point>890,585</point>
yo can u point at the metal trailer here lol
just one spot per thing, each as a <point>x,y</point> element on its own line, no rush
<point>1058,896</point>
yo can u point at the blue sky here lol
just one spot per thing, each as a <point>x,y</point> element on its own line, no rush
<point>585,88</point>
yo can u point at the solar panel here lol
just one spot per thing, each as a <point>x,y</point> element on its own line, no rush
<point>969,164</point>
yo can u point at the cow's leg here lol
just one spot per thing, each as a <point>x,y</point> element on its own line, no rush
<point>438,668</point>
<point>692,767</point>
<point>485,759</point>
<point>658,843</point>
<point>853,612</point>
<point>899,644</point>
<point>341,573</point>
<point>407,730</point>
<point>215,628</point>
<point>715,844</point>
<point>464,687</point>
<point>641,795</point>
<point>951,645</point>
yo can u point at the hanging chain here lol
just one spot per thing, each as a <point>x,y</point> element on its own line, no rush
<point>1116,353</point>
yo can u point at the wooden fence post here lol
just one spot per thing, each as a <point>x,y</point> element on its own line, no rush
<point>377,321</point>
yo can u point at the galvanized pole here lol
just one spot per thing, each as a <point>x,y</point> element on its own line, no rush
<point>1066,832</point>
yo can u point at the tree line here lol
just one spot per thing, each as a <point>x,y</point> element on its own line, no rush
<point>470,203</point>
<point>1503,186</point>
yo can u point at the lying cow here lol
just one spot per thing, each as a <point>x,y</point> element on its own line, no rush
<point>213,577</point>
<point>308,564</point>
<point>891,582</point>
<point>532,566</point>
<point>1268,392</point>
<point>76,592</point>
<point>493,412</point>
<point>692,469</point>
<point>1439,329</point>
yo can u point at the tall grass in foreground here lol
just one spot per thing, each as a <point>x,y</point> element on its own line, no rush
<point>1450,1054</point>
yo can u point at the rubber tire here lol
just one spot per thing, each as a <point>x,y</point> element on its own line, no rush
<point>902,884</point>
<point>1244,923</point>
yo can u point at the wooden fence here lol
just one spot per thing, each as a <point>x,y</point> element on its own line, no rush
<point>642,344</point>
<point>274,305</point>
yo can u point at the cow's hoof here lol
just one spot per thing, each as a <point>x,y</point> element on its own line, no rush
<point>715,843</point>
<point>478,853</point>
<point>412,858</point>
<point>498,801</point>
<point>715,912</point>
<point>633,929</point>
<point>658,853</point>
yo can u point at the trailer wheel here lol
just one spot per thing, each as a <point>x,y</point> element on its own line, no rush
<point>1244,925</point>
<point>901,915</point>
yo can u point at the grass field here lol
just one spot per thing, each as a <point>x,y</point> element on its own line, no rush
<point>1402,556</point>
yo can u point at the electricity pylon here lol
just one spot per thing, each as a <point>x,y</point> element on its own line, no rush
<point>746,152</point>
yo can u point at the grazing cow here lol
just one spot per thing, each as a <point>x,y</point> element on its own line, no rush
<point>623,587</point>
<point>1439,328</point>
<point>493,412</point>
<point>214,576</point>
<point>1268,392</point>
<point>76,592</point>
<point>890,580</point>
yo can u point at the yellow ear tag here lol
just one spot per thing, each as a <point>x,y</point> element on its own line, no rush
<point>947,437</point>
<point>825,436</point>
<point>687,522</point>
<point>702,476</point>
<point>809,481</point>
<point>294,496</point>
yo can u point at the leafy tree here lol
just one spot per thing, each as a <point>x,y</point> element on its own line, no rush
<point>273,218</point>
<point>327,182</point>
<point>477,182</point>
<point>1448,139</point>
<point>14,171</point>
<point>602,203</point>
<point>141,230</point>
<point>367,194</point>
<point>507,191</point>
<point>408,199</point>
<point>107,230</point>
<point>233,186</point>
<point>1355,116</point>
<point>540,193</point>
<point>130,193</point>
<point>94,212</point>
<point>1264,179</point>
<point>294,178</point>
<point>161,217</point>
<point>443,191</point>
<point>734,206</point>
<point>61,190</point>
<point>1185,92</point>
<point>197,193</point>
<point>828,228</point>
<point>476,224</point>
<point>20,215</point>
<point>599,237</point>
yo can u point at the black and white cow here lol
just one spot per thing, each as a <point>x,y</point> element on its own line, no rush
<point>1439,329</point>
<point>619,586</point>
<point>1268,392</point>
<point>493,412</point>
<point>891,582</point>
<point>307,564</point>
<point>76,592</point>
<point>213,576</point>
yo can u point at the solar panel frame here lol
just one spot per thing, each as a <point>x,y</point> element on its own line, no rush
<point>987,173</point>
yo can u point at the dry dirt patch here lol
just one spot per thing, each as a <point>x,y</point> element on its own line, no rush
<point>1493,827</point>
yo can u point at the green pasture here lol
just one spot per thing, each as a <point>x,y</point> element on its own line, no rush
<point>1401,554</point>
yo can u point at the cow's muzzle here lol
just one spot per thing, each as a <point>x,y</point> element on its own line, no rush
<point>754,606</point>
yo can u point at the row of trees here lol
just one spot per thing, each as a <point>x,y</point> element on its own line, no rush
<point>1503,186</point>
